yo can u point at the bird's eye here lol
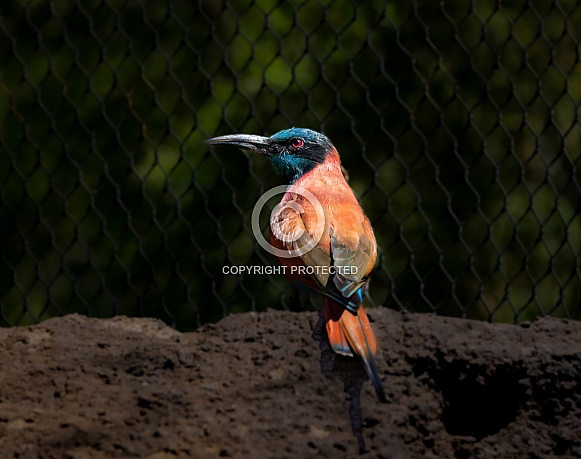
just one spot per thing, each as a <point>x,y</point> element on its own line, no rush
<point>296,143</point>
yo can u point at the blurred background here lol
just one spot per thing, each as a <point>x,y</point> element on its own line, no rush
<point>456,121</point>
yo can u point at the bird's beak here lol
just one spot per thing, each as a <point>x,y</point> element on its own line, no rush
<point>261,145</point>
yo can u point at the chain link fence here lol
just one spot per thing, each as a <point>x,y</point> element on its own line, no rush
<point>458,123</point>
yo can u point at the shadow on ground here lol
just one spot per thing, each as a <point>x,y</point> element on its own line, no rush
<point>251,386</point>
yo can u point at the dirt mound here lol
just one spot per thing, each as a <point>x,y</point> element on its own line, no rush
<point>251,386</point>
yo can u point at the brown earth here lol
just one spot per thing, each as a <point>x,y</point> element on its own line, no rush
<point>251,387</point>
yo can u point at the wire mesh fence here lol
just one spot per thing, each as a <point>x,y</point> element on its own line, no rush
<point>457,122</point>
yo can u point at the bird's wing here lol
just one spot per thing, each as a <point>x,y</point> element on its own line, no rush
<point>298,230</point>
<point>353,264</point>
<point>351,253</point>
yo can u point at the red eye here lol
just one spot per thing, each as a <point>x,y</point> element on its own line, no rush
<point>296,143</point>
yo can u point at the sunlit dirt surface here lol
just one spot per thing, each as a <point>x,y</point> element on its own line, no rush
<point>251,387</point>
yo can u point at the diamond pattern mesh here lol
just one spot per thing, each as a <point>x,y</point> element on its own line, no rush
<point>457,121</point>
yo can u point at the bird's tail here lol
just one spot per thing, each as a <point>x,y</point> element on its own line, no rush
<point>352,334</point>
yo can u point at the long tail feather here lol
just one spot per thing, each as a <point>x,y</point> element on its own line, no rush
<point>332,312</point>
<point>352,334</point>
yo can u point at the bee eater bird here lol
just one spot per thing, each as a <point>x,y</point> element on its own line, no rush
<point>339,261</point>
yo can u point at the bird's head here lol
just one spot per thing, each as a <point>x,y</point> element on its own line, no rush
<point>293,152</point>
